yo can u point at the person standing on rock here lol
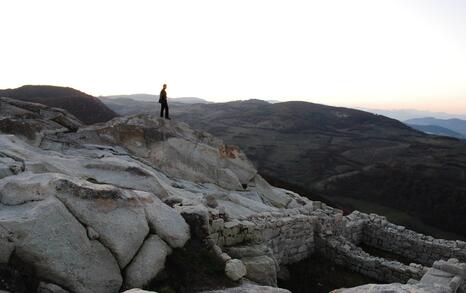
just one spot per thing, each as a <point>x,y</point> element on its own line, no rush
<point>164,103</point>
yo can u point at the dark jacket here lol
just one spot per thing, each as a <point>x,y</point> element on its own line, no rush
<point>163,97</point>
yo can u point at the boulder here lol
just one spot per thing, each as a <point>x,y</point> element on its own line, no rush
<point>261,269</point>
<point>32,121</point>
<point>235,269</point>
<point>48,238</point>
<point>167,223</point>
<point>275,198</point>
<point>149,261</point>
<point>228,180</point>
<point>116,215</point>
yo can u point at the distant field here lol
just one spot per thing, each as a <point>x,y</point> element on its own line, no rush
<point>395,216</point>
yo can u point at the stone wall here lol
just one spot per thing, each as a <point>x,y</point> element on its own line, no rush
<point>376,231</point>
<point>289,235</point>
<point>343,252</point>
<point>353,227</point>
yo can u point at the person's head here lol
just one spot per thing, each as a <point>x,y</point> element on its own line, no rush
<point>164,86</point>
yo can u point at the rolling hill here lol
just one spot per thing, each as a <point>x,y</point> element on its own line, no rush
<point>340,152</point>
<point>85,107</point>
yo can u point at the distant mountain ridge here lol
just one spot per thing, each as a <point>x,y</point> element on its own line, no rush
<point>152,98</point>
<point>406,114</point>
<point>456,125</point>
<point>437,130</point>
<point>86,108</point>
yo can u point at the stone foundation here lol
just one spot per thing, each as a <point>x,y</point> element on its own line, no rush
<point>291,235</point>
<point>376,231</point>
<point>343,252</point>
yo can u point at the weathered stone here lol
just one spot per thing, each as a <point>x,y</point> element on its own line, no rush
<point>167,223</point>
<point>277,199</point>
<point>225,257</point>
<point>116,215</point>
<point>235,269</point>
<point>217,225</point>
<point>48,238</point>
<point>32,121</point>
<point>149,261</point>
<point>228,180</point>
<point>261,269</point>
<point>50,288</point>
<point>211,201</point>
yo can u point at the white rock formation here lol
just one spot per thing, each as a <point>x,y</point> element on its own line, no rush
<point>49,238</point>
<point>83,207</point>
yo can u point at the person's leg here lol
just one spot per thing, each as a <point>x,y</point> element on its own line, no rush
<point>161,109</point>
<point>167,116</point>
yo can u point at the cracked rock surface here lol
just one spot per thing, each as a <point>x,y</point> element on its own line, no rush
<point>96,208</point>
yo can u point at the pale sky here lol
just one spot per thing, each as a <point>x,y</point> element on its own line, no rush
<point>361,53</point>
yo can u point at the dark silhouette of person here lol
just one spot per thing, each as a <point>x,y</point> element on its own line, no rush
<point>164,103</point>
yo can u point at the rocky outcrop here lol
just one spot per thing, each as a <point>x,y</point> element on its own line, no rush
<point>32,121</point>
<point>102,208</point>
<point>86,108</point>
<point>176,149</point>
<point>97,230</point>
<point>100,195</point>
<point>47,237</point>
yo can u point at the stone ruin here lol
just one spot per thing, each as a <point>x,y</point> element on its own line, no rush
<point>283,238</point>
